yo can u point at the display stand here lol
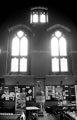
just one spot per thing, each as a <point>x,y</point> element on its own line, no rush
<point>76,97</point>
<point>41,101</point>
<point>20,103</point>
<point>40,94</point>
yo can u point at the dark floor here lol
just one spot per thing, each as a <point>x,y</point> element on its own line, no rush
<point>47,116</point>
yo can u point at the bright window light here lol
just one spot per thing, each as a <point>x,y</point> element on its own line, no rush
<point>19,53</point>
<point>42,18</point>
<point>58,34</point>
<point>24,46</point>
<point>14,65</point>
<point>35,18</point>
<point>59,56</point>
<point>23,65</point>
<point>31,18</point>
<point>39,15</point>
<point>15,46</point>
<point>64,65</point>
<point>55,65</point>
<point>62,44</point>
<point>54,47</point>
<point>20,34</point>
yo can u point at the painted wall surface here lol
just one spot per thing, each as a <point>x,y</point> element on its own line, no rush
<point>40,51</point>
<point>22,80</point>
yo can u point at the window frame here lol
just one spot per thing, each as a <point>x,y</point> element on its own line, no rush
<point>39,10</point>
<point>9,56</point>
<point>69,61</point>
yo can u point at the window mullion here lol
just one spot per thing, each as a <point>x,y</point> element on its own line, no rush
<point>59,64</point>
<point>19,56</point>
<point>59,55</point>
<point>38,17</point>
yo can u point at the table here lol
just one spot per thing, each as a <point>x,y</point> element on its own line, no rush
<point>31,109</point>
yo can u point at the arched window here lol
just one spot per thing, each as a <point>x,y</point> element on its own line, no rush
<point>39,15</point>
<point>19,52</point>
<point>59,56</point>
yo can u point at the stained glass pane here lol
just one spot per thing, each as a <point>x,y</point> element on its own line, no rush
<point>24,46</point>
<point>20,34</point>
<point>23,65</point>
<point>54,47</point>
<point>58,34</point>
<point>15,46</point>
<point>14,65</point>
<point>62,44</point>
<point>55,65</point>
<point>35,18</point>
<point>42,18</point>
<point>64,65</point>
